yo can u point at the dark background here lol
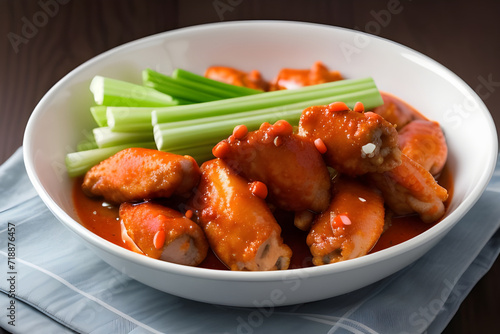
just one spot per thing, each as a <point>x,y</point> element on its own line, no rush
<point>462,35</point>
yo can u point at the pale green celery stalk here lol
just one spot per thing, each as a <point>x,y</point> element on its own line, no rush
<point>370,95</point>
<point>99,114</point>
<point>211,86</point>
<point>104,137</point>
<point>86,145</point>
<point>170,138</point>
<point>210,130</point>
<point>172,87</point>
<point>129,119</point>
<point>264,100</point>
<point>112,92</point>
<point>78,163</point>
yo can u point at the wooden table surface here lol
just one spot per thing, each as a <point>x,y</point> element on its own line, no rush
<point>44,40</point>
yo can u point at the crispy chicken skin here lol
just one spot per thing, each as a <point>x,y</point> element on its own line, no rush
<point>290,166</point>
<point>424,142</point>
<point>289,78</point>
<point>410,188</point>
<point>232,76</point>
<point>136,174</point>
<point>163,233</point>
<point>351,225</point>
<point>356,142</point>
<point>396,111</point>
<point>239,226</point>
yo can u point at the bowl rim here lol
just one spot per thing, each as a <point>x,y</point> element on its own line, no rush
<point>437,231</point>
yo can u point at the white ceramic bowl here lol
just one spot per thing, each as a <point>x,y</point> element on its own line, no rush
<point>61,119</point>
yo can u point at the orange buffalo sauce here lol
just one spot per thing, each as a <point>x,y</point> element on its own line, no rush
<point>102,219</point>
<point>96,215</point>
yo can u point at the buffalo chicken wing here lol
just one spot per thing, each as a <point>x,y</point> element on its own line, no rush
<point>289,78</point>
<point>356,142</point>
<point>239,226</point>
<point>232,76</point>
<point>136,174</point>
<point>424,142</point>
<point>162,233</point>
<point>410,188</point>
<point>290,166</point>
<point>351,225</point>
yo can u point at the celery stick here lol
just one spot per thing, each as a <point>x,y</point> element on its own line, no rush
<point>265,100</point>
<point>78,163</point>
<point>370,95</point>
<point>99,114</point>
<point>86,145</point>
<point>104,137</point>
<point>178,93</point>
<point>112,92</point>
<point>172,87</point>
<point>212,86</point>
<point>211,131</point>
<point>129,119</point>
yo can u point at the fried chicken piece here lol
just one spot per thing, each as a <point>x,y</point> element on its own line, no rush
<point>136,174</point>
<point>424,142</point>
<point>289,78</point>
<point>232,76</point>
<point>396,111</point>
<point>351,225</point>
<point>410,188</point>
<point>239,226</point>
<point>289,165</point>
<point>356,142</point>
<point>163,233</point>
